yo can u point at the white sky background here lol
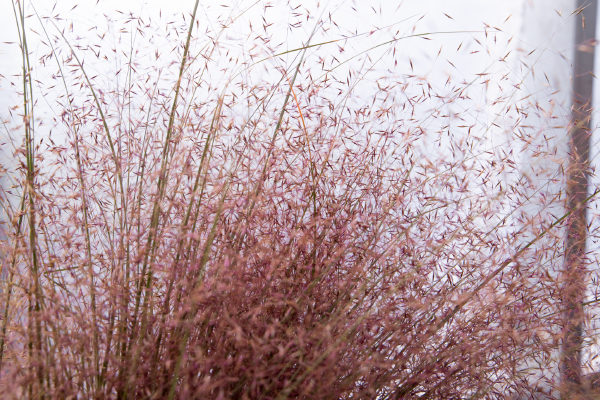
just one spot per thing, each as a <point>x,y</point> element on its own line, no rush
<point>352,17</point>
<point>529,27</point>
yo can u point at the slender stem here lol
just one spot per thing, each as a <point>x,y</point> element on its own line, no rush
<point>574,273</point>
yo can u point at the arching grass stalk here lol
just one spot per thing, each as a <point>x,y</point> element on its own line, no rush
<point>202,268</point>
<point>154,224</point>
<point>9,287</point>
<point>86,227</point>
<point>35,305</point>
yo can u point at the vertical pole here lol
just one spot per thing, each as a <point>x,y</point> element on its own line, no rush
<point>577,187</point>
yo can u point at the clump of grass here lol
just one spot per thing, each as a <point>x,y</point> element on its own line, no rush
<point>286,236</point>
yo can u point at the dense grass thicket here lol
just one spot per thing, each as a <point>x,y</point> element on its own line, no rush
<point>276,225</point>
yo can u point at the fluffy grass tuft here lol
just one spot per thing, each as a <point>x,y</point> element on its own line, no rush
<point>285,226</point>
